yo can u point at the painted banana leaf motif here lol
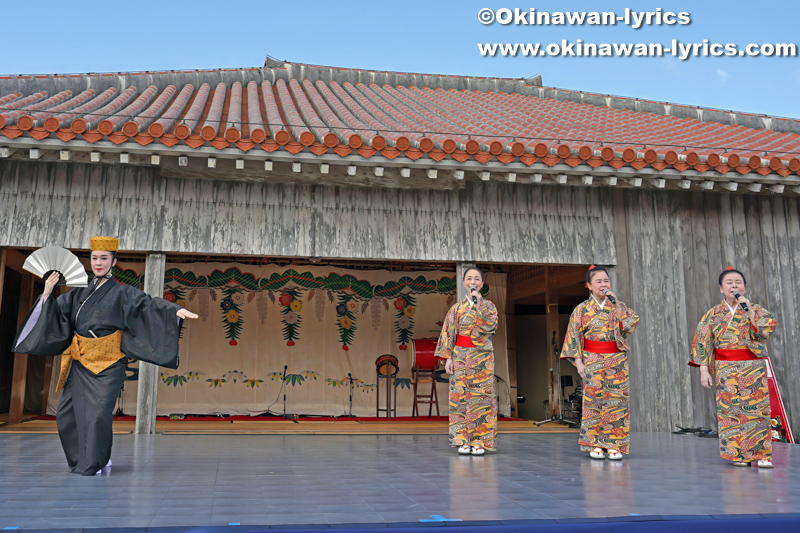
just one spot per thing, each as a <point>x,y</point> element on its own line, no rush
<point>234,376</point>
<point>403,383</point>
<point>174,379</point>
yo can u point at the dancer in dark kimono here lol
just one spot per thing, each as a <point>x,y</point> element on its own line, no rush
<point>93,329</point>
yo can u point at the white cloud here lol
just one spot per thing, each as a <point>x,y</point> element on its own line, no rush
<point>723,76</point>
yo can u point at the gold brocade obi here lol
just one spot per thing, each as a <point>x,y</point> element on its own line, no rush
<point>94,354</point>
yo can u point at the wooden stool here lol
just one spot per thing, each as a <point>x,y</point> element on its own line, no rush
<point>386,368</point>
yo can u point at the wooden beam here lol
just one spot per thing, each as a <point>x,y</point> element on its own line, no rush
<point>147,399</point>
<point>563,277</point>
<point>20,371</point>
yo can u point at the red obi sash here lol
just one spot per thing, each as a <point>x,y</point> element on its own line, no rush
<point>600,346</point>
<point>735,354</point>
<point>464,341</point>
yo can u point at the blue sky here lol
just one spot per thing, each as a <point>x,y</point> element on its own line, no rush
<point>431,36</point>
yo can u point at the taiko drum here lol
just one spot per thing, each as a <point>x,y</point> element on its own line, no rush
<point>422,354</point>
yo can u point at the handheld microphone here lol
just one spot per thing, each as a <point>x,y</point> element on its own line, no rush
<point>474,298</point>
<point>610,298</point>
<point>745,307</point>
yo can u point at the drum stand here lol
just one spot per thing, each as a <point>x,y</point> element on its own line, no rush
<point>432,398</point>
<point>391,405</point>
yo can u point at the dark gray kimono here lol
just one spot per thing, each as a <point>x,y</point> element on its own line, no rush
<point>84,417</point>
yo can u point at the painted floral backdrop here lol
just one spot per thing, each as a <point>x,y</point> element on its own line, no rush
<point>307,327</point>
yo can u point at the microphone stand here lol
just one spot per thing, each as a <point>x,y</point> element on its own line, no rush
<point>286,416</point>
<point>555,376</point>
<point>350,414</point>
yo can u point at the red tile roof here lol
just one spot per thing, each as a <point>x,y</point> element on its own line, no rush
<point>323,109</point>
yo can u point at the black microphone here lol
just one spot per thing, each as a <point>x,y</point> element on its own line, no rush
<point>474,298</point>
<point>610,298</point>
<point>744,305</point>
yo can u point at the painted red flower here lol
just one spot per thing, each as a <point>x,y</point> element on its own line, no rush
<point>403,347</point>
<point>285,299</point>
<point>345,348</point>
<point>168,296</point>
<point>290,343</point>
<point>399,303</point>
<point>233,343</point>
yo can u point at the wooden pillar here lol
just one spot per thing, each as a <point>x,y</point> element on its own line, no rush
<point>20,372</point>
<point>551,321</point>
<point>49,364</point>
<point>3,254</point>
<point>147,399</point>
<point>461,267</point>
<point>511,347</point>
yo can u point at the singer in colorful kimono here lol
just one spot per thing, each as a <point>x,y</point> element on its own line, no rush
<point>729,347</point>
<point>597,344</point>
<point>93,329</point>
<point>466,346</point>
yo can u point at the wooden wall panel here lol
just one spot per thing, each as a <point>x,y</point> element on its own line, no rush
<point>65,204</point>
<point>678,243</point>
<point>672,245</point>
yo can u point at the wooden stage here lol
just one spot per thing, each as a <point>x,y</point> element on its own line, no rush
<point>303,426</point>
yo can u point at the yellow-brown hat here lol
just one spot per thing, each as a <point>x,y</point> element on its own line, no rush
<point>105,244</point>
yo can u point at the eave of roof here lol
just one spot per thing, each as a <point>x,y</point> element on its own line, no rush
<point>286,111</point>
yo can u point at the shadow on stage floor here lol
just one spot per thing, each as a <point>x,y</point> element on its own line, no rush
<point>534,482</point>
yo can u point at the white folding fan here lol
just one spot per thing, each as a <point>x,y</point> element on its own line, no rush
<point>50,258</point>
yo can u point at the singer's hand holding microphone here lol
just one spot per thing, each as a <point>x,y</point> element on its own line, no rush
<point>611,296</point>
<point>744,302</point>
<point>475,294</point>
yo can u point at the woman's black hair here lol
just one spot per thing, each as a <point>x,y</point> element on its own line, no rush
<point>731,270</point>
<point>472,268</point>
<point>594,269</point>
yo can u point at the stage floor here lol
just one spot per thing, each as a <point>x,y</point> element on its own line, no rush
<point>210,480</point>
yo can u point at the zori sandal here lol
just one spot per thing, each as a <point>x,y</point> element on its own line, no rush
<point>597,453</point>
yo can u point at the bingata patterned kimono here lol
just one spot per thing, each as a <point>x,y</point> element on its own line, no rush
<point>743,402</point>
<point>606,416</point>
<point>473,403</point>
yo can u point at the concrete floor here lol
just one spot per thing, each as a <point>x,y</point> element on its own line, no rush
<point>212,480</point>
